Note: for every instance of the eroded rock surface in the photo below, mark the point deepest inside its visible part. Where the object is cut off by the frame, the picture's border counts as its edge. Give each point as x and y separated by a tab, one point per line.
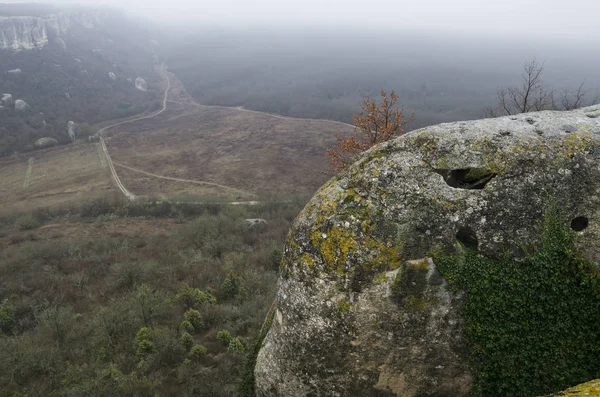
141	84
361	308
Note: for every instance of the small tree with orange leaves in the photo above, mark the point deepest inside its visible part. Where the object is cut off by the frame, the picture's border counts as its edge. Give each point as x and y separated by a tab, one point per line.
375	124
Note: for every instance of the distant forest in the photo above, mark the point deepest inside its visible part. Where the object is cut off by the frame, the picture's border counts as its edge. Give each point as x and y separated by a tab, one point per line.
325	74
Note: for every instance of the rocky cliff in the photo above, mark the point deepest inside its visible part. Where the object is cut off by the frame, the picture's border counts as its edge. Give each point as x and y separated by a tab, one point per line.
363	309
29	32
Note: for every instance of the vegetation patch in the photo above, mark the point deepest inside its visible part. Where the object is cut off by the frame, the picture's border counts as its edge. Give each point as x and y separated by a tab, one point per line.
532	326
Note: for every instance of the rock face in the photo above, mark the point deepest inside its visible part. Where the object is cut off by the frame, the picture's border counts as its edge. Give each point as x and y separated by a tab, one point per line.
141	84
28	32
45	142
361	307
21	105
71	130
7	100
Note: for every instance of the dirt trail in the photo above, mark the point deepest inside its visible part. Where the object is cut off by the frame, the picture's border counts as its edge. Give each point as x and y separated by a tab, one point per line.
238	191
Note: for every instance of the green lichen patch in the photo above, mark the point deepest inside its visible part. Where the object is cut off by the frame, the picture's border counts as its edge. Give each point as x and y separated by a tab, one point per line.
411	289
533	327
587	389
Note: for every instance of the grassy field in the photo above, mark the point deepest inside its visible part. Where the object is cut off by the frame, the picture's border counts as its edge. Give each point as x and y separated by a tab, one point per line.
53	178
188	151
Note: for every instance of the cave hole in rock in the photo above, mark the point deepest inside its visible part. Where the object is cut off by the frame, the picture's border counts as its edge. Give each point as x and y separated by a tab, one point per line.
467	178
467	237
580	223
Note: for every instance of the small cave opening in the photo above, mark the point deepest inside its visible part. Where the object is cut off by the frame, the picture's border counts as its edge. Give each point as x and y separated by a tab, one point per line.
467	237
467	178
579	224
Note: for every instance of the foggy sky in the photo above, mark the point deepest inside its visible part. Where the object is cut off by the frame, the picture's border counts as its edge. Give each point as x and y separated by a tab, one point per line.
563	19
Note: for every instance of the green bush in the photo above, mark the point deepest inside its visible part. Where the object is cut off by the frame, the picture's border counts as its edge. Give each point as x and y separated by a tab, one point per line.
194	298
27	222
187	340
7	317
224	336
236	346
194	318
231	286
198	351
532	326
143	344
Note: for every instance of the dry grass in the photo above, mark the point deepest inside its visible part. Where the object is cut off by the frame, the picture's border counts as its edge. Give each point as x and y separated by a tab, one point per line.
59	177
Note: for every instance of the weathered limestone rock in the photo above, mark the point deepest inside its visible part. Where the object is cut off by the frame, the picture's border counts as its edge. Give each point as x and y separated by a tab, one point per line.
141	84
14	71
45	142
361	307
71	130
112	76
21	105
7	100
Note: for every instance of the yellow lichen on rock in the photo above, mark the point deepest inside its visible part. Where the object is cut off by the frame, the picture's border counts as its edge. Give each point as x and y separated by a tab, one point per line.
591	388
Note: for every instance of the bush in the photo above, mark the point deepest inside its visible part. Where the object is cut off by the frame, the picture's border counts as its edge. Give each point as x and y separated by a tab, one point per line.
231	286
143	344
194	318
224	336
236	346
194	297
198	351
186	326
187	340
27	222
7	317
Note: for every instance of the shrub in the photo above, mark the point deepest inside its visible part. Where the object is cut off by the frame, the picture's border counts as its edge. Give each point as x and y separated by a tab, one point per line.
194	297
198	351
27	222
224	336
143	344
194	318
7	317
231	286
186	326
236	346
187	340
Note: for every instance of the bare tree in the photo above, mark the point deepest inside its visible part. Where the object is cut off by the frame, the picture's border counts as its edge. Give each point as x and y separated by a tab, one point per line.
533	95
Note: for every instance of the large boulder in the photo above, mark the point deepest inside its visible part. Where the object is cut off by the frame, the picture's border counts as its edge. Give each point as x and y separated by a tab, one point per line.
362	309
45	142
21	105
141	84
6	100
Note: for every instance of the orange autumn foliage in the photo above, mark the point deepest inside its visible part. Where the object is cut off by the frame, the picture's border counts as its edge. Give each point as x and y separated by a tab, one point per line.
376	123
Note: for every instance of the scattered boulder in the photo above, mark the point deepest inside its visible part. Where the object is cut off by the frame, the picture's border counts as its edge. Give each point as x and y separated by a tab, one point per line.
7	100
21	105
255	221
141	84
112	76
45	142
71	130
362	308
15	71
94	138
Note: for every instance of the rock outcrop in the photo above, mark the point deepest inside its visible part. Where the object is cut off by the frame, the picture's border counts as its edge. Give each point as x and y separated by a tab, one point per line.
141	84
71	130
45	142
362	309
6	100
29	32
21	105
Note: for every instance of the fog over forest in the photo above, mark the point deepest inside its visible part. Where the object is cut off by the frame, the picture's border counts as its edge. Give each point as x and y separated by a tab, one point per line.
324	73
